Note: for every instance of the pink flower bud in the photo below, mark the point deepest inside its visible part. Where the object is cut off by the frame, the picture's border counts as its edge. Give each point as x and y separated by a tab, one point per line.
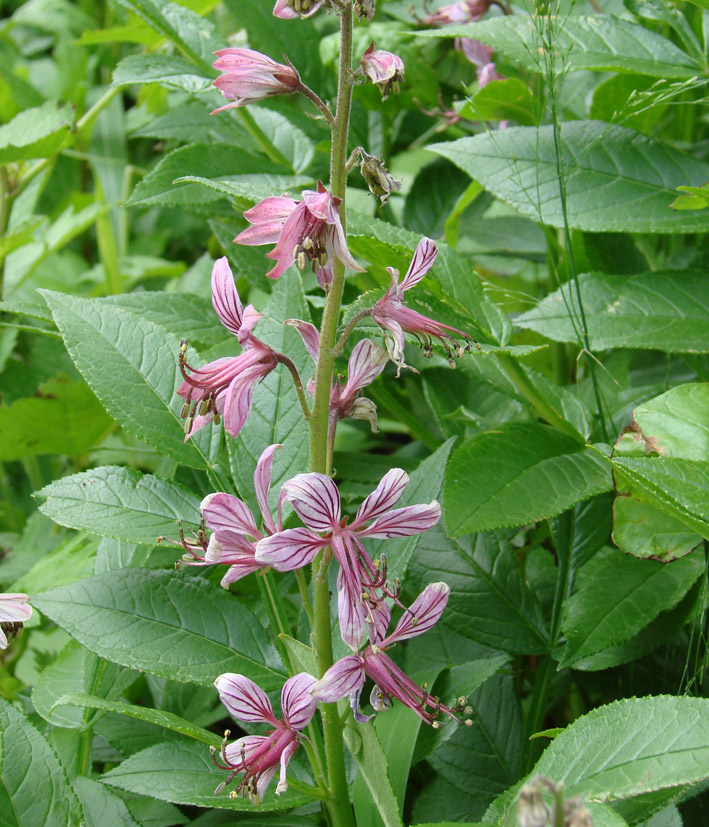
383	68
251	76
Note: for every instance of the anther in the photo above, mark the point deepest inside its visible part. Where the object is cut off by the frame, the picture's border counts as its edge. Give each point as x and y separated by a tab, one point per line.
462	700
184	410
307	244
427	351
458	351
451	363
468	722
217	418
436	724
300	260
183	345
468	710
203	407
188	424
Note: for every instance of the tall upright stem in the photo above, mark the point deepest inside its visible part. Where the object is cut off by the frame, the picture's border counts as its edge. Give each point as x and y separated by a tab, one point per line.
338	805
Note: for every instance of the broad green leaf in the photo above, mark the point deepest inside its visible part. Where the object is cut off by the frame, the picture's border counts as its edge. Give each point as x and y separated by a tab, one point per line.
363	744
276	415
158	717
64	417
247	189
490	602
290	141
616	179
34	788
102	806
220	161
660	311
192	122
165	623
19	234
71	560
183	773
119	502
118	554
500	100
642	530
678	487
434	193
131	365
619	595
601	43
171	71
516	474
36	133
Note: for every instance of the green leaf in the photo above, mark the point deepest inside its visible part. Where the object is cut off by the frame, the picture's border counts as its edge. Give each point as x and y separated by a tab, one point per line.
247	189
490	602
63	418
678	487
36	133
101	806
208	161
616	179
290	141
131	365
192	122
276	415
372	765
119	502
518	473
34	788
168	624
601	43
183	773
642	530
158	717
170	71
659	311
500	100
618	596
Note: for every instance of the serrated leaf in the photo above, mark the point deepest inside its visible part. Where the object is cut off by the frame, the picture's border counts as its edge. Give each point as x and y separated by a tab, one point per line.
518	473
618	596
131	365
168	624
247	188
184	774
171	71
112	501
617	180
507	99
601	43
36	133
34	788
101	806
192	122
662	311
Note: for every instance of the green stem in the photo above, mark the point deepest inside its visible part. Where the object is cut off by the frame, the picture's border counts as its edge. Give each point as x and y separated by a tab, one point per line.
338	805
284	360
5	207
304	596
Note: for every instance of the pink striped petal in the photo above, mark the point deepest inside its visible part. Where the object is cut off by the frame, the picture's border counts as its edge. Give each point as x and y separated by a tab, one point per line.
384	497
14	607
224	512
275	208
421	263
244	699
224	296
315	499
244	748
310	335
382	617
239	396
297	703
290	549
350	611
286	756
423	613
262	484
238	570
340	680
403	522
366	362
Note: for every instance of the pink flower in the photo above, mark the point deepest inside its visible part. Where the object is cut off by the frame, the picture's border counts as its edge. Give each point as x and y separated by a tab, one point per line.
393	316
259	756
383	68
14	611
303	231
251	76
225	387
235	531
361	584
479	55
290	9
465	11
347	676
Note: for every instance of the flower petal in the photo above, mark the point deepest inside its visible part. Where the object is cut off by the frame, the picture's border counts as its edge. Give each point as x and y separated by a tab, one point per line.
240	396
341	679
238	570
366	362
350	612
403	522
14	608
310	335
381	615
423	613
224	296
290	549
262	484
224	512
297	703
243	748
384	497
244	699
315	499
421	263
286	756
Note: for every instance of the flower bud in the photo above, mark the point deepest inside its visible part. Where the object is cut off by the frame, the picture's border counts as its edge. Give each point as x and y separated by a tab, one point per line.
379	181
251	76
383	68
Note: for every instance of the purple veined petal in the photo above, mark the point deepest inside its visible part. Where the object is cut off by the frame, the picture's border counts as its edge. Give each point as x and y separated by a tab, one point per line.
263	782
275	208
385	496
233	547
354	706
286	756
423	613
321	204
403	522
341	679
213	554
257	234
297	703
315	499
238	570
290	549
309	334
244	746
336	239
224	512
394	343
262	484
283	10
14	607
381	617
224	296
366	362
240	394
244	699
421	263
288	240
350	611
